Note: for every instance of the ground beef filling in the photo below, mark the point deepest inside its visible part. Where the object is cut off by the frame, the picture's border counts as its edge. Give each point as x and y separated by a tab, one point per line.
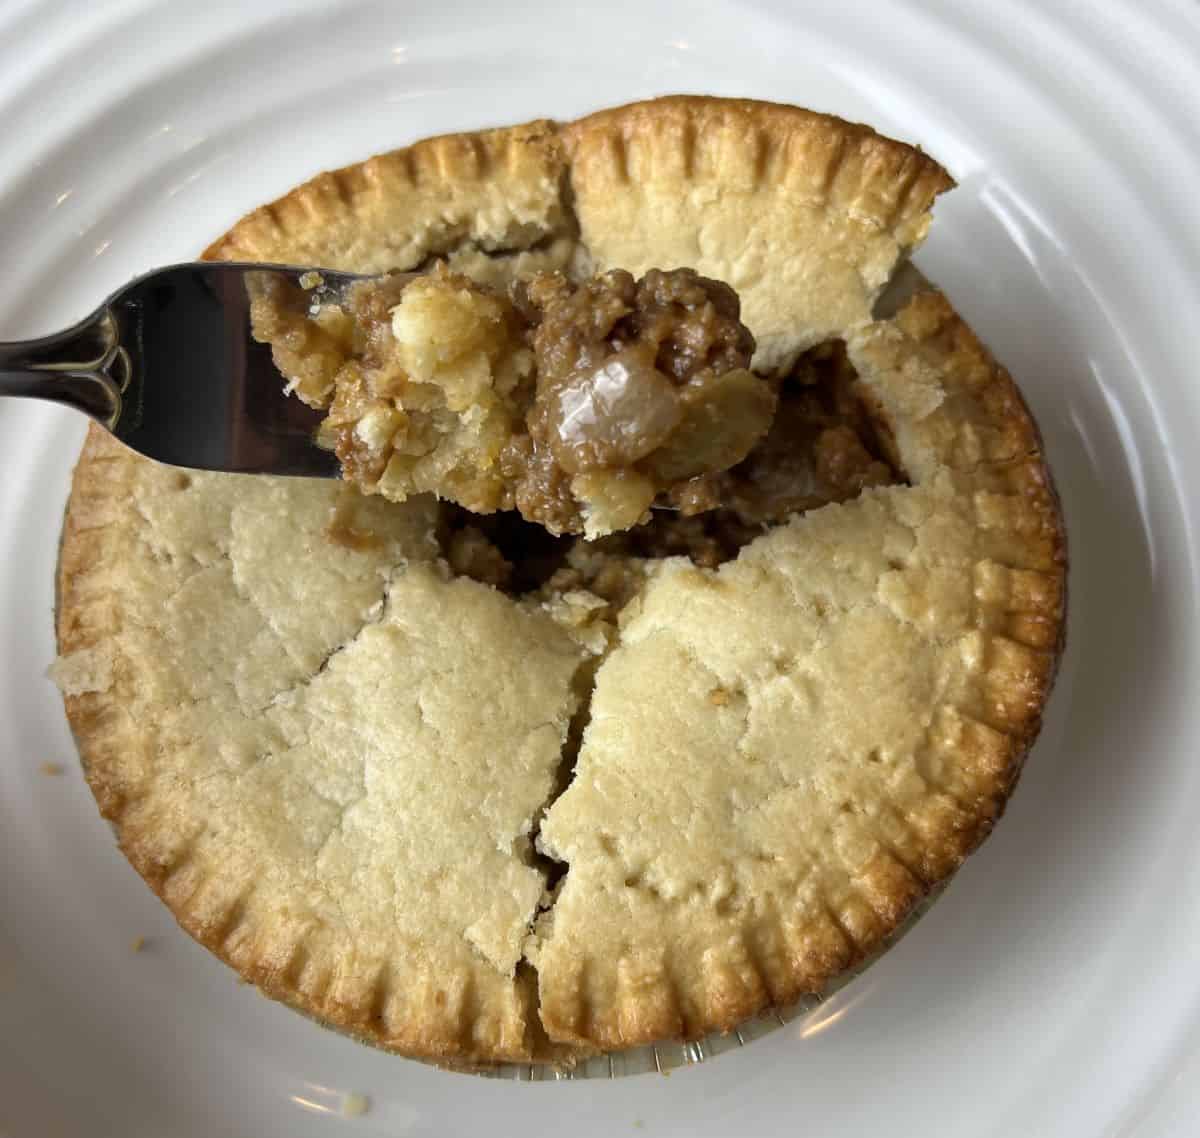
648	377
577	405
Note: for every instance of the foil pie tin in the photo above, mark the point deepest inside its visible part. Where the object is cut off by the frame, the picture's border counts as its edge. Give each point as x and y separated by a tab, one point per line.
663	1058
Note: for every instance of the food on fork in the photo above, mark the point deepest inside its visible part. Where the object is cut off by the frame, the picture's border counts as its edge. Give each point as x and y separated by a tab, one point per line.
577	404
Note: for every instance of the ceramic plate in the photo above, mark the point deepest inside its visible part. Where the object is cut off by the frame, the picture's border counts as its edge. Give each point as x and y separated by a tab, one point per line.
1053	989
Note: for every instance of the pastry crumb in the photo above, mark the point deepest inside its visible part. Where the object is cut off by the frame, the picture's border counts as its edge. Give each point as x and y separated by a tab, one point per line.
718	697
82	672
137	944
53	770
311	279
354	1105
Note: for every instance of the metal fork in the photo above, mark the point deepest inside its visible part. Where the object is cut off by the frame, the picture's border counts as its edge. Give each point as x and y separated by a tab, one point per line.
168	365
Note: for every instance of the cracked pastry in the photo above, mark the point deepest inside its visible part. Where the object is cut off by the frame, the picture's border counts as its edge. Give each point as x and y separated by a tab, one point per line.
474	792
578	405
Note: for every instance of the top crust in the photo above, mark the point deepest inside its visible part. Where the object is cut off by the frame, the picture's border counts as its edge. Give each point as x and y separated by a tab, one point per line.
269	718
267	713
849	702
805	215
484	201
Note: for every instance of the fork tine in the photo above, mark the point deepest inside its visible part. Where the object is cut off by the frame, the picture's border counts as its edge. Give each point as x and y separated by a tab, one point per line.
200	391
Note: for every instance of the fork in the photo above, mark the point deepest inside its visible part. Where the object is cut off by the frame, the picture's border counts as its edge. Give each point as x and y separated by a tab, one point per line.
168	365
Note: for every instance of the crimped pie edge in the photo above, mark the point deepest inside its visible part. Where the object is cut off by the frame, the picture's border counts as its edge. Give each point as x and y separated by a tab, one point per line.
489	165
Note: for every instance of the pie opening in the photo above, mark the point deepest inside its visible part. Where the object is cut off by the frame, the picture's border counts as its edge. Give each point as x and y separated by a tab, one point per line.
825	444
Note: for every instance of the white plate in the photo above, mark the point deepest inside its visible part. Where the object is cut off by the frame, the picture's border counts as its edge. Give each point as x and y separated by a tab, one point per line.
1053	991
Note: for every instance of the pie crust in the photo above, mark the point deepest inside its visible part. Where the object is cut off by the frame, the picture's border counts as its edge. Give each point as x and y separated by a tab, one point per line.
331	757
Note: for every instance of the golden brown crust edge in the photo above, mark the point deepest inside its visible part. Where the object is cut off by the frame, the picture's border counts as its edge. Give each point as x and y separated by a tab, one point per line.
499	189
828	158
818	156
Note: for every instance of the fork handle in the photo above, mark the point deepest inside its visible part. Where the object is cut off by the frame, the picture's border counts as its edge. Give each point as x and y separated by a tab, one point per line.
91	392
86	346
69	367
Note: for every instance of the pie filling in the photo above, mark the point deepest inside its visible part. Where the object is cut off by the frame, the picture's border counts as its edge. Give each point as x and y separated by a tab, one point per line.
577	405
